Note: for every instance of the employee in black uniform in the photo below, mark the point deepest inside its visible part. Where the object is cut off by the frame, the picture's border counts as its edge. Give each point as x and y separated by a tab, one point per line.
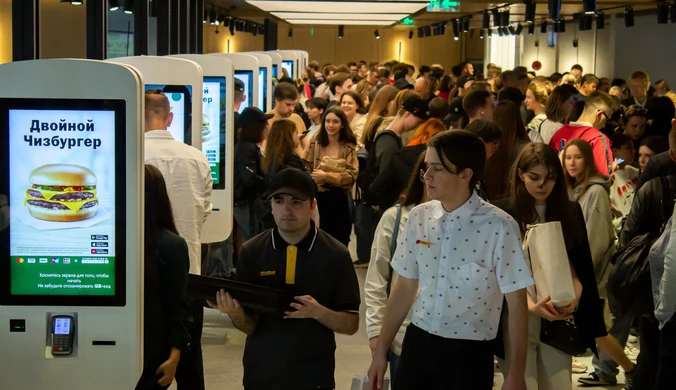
296	352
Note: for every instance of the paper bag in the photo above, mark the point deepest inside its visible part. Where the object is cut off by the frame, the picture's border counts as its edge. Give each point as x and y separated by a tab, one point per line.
546	252
361	382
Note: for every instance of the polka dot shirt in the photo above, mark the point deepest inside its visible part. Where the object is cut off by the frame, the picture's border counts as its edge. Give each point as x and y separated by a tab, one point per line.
465	261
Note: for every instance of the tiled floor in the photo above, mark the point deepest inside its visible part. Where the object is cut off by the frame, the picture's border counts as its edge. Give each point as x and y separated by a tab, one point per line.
224	346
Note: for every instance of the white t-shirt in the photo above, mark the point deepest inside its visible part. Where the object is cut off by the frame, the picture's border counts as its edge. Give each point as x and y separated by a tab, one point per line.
548	129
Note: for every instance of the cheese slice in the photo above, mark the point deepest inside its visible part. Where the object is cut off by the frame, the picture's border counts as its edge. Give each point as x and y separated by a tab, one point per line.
49	194
73	206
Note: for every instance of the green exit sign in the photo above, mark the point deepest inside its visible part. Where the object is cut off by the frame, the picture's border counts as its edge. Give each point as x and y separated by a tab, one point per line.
312	32
407	21
443	6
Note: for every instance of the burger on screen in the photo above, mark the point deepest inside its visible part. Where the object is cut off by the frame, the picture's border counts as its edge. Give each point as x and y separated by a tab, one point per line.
62	193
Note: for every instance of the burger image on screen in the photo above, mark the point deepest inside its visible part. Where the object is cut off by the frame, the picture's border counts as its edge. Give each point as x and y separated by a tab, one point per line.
62	193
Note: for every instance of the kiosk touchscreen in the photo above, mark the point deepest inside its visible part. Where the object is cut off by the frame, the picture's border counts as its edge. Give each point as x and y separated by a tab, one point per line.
288	65
71	285
291	60
264	80
217	140
246	68
181	81
180	104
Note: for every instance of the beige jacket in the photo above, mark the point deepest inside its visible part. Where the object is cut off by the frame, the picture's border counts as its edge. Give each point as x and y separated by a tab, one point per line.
314	155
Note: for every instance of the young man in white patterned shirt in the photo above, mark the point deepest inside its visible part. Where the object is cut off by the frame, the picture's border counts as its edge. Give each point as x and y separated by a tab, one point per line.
457	259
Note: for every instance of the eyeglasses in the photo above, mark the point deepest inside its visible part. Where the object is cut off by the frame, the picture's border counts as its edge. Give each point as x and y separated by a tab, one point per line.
606	115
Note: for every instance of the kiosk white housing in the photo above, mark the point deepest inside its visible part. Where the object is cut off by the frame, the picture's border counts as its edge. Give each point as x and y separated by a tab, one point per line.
181	81
72	282
218	141
264	101
291	61
246	70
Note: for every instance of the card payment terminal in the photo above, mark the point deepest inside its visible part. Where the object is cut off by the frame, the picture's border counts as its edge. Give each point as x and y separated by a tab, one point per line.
62	335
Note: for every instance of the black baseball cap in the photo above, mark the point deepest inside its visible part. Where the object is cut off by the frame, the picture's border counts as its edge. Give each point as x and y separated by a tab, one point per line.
252	115
456	109
239	85
294	182
417	107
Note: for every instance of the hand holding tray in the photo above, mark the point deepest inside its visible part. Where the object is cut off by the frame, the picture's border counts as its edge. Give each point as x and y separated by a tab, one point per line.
255	299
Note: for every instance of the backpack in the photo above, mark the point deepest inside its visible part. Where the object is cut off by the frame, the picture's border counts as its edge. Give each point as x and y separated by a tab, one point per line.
367	157
629	282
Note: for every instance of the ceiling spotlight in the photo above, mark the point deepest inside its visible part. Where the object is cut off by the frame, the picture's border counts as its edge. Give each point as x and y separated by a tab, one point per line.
428	31
341	31
497	20
530	12
481	34
410	34
486	20
113	5
589	6
554	9
662	13
505	18
217	20
562	25
519	29
511	30
465	25
377	34
543	27
456	28
600	21
212	16
531	29
629	16
575	42
232	26
489	33
421	33
442	26
206	16
500	33
456	36
580	21
290	33
72	2
128	7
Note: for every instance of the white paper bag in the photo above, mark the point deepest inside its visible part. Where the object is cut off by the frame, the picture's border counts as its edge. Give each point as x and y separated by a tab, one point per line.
546	252
361	382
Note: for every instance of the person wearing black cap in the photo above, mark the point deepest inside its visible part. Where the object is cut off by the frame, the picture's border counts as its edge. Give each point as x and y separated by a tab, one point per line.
412	113
457	119
464	83
298	350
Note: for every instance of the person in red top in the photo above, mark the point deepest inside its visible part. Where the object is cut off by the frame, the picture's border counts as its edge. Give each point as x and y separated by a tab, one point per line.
598	109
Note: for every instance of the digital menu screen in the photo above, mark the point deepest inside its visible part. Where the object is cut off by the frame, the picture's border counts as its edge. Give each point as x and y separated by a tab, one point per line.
246	76
263	88
180	104
67	198
213	128
288	65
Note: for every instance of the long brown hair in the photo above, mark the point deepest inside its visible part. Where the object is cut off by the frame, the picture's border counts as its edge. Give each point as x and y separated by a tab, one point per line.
556	109
559	207
508	116
377	109
280	143
589	165
346	134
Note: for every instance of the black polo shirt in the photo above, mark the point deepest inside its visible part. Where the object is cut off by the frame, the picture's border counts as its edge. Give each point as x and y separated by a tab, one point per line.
290	354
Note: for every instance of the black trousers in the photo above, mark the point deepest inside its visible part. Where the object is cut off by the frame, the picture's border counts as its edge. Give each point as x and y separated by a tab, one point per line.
190	370
656	363
335	216
434	363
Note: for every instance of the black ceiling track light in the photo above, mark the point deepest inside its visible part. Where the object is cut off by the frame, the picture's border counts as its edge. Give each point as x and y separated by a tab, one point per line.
128	7
543	27
600	21
485	20
530	12
589	6
531	29
629	16
554	9
662	13
113	5
410	34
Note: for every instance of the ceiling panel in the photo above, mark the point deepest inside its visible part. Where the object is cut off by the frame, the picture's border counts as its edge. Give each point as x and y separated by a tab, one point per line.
347	22
339	6
315	16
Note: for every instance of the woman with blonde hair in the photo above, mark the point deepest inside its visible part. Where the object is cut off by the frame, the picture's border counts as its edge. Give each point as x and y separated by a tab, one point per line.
378	110
364	88
537	95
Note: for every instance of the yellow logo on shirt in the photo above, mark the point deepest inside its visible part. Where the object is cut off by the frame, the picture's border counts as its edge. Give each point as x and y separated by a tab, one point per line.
267	273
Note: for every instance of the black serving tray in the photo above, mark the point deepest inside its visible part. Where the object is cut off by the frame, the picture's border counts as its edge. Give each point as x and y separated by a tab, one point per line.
254	298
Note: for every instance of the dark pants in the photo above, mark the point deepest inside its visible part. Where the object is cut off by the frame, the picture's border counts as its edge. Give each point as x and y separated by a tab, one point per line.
365	223
335	217
656	363
190	371
434	363
393	359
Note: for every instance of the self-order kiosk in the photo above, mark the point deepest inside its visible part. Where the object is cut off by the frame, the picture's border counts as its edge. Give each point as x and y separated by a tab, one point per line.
71	165
276	65
181	82
218	140
246	70
264	80
291	62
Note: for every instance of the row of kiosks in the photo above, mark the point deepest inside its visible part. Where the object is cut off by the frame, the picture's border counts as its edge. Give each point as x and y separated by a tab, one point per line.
71	166
294	62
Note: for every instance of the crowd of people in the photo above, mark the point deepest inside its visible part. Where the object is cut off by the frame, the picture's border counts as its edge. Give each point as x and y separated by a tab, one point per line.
440	178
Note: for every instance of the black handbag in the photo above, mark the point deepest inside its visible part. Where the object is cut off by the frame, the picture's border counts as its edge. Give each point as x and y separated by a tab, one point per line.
564	336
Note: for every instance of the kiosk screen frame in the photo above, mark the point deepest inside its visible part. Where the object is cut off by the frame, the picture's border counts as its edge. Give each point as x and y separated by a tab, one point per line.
186	111
115	294
274	71
246	76
288	65
263	88
218	169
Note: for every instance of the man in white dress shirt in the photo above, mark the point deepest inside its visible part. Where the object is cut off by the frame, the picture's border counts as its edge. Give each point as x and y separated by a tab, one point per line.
457	258
188	176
